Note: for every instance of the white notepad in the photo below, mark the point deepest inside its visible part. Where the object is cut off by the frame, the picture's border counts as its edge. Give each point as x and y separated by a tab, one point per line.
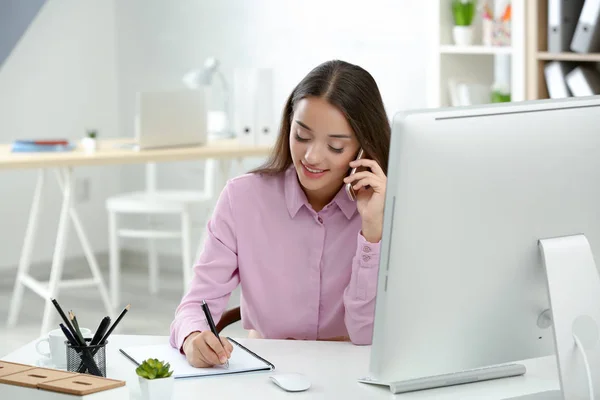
242	360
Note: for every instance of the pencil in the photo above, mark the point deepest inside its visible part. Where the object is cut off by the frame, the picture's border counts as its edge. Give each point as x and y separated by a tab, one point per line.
77	330
65	319
112	328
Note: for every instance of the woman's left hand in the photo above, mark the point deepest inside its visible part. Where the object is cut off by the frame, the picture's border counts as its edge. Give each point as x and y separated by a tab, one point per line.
369	186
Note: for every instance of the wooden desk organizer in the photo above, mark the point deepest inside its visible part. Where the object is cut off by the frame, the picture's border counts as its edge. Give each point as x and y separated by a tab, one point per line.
31	382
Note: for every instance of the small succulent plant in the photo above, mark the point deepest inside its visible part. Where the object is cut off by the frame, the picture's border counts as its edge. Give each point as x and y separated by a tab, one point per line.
153	369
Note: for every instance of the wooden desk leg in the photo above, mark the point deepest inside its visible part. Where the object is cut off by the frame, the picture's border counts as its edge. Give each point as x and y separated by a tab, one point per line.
25	260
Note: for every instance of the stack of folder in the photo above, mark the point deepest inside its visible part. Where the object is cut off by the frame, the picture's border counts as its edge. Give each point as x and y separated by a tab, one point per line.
573	26
35	146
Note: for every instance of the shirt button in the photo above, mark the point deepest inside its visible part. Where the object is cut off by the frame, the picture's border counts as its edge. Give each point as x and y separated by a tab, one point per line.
320	220
366	258
366	249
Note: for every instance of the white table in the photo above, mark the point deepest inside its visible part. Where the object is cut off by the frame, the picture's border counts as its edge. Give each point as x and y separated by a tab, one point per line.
332	367
109	152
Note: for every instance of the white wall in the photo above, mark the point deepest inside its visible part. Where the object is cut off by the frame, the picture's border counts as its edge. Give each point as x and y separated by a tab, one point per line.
59	80
159	40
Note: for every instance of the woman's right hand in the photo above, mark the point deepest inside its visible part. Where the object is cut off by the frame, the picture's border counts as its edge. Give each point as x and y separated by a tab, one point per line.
203	349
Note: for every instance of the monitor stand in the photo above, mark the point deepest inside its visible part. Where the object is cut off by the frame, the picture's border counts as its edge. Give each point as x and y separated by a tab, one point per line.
574	295
451	379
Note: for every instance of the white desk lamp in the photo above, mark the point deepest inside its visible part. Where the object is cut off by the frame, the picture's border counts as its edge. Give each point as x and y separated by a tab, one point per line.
218	121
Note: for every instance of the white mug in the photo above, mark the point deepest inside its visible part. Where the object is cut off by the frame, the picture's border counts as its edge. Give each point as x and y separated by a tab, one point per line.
56	343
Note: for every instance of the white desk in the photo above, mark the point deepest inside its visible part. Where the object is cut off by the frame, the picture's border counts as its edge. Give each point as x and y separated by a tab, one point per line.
332	367
109	152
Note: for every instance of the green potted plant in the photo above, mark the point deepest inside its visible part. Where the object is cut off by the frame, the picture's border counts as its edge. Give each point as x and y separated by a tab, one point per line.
156	379
463	12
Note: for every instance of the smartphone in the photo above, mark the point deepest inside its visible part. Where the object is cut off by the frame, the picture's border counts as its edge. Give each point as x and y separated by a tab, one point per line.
349	189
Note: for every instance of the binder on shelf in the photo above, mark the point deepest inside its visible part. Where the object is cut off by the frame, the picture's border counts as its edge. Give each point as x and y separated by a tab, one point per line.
586	38
244	97
584	81
253	118
266	130
562	20
555	73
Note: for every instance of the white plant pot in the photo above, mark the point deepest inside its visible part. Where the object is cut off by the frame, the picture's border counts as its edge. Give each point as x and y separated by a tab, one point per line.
89	144
156	389
463	35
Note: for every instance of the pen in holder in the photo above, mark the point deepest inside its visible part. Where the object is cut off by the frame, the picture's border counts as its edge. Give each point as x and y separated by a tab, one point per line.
90	359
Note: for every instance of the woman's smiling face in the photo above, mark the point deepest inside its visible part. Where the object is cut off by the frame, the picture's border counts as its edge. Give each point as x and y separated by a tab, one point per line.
322	144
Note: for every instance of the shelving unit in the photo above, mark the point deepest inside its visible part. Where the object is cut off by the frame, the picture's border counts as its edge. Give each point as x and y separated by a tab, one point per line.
475	63
536	50
474	49
576	57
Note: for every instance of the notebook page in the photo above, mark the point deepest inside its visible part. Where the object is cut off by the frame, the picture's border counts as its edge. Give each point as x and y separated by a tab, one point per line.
240	361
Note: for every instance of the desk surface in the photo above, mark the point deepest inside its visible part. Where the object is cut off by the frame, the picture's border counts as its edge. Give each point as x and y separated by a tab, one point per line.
332	367
112	152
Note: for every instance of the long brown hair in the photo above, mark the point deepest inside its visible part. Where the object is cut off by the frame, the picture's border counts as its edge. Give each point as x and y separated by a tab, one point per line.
354	92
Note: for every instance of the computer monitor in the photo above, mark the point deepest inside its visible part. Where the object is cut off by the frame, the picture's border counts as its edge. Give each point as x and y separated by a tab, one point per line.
463	283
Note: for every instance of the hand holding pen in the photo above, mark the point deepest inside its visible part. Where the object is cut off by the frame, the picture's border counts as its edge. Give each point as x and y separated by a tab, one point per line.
206	349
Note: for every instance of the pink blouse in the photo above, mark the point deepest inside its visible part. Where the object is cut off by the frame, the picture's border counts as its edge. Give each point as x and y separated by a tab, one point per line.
303	274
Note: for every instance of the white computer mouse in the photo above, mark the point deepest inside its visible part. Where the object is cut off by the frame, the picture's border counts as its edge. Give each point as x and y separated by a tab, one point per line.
291	382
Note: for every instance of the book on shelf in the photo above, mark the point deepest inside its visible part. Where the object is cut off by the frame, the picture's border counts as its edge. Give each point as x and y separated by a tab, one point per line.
41	145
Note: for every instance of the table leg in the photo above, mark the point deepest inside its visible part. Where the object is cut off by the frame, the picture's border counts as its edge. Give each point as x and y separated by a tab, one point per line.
153	267
59	254
223	171
186	249
114	259
25	260
65	179
240	165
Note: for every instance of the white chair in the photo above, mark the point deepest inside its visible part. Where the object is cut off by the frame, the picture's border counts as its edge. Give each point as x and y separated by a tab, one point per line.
154	202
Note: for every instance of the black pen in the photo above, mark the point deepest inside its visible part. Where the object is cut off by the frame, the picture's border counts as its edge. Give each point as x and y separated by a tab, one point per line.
100	331
212	326
96	339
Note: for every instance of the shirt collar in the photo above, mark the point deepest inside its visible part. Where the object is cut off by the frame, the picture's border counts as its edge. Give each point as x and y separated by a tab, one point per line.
295	197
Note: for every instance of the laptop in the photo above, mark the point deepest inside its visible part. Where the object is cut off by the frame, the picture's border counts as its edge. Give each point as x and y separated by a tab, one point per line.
170	119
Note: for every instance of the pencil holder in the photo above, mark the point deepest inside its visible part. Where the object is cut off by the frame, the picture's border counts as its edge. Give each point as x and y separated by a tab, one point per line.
501	33
87	359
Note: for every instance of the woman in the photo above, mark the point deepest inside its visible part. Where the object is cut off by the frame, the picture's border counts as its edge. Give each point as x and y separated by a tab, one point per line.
304	253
